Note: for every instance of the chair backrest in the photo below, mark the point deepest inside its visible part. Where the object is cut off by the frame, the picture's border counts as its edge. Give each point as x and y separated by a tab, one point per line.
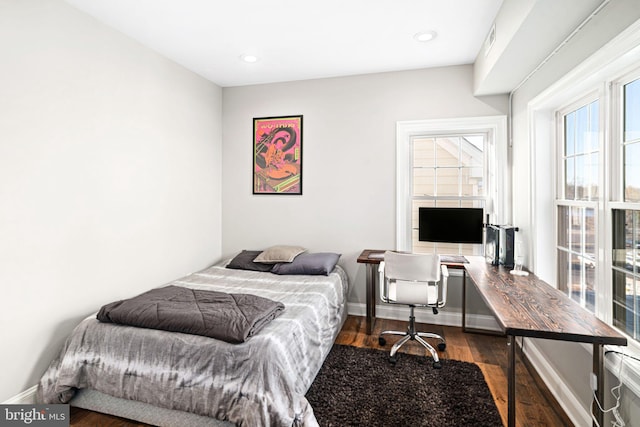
417	267
413	279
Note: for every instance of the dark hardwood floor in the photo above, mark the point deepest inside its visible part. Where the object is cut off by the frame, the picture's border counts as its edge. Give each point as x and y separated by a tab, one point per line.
535	405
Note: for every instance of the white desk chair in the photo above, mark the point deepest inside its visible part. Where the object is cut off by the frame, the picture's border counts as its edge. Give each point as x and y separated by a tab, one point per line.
416	280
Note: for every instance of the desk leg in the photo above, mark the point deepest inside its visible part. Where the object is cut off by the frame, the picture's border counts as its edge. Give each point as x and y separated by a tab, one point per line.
598	370
511	379
464	300
371	297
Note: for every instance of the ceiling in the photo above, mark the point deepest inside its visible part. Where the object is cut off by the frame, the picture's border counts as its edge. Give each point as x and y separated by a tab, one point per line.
300	39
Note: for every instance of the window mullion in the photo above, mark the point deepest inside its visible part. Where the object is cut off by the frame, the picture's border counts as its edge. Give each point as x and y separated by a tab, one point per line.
603	286
459	169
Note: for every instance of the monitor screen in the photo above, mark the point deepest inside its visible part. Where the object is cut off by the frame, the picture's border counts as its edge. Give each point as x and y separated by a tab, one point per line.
450	225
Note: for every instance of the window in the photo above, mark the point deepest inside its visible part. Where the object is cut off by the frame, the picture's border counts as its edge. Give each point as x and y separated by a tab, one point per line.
626	220
577	254
448	171
581	153
626	271
577	203
449	163
589	187
631	141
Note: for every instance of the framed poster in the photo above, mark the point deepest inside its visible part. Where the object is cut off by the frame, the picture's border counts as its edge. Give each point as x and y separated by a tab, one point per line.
277	155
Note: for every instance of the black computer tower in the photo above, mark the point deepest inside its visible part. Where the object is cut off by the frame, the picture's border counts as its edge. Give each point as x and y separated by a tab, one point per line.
492	244
499	246
507	245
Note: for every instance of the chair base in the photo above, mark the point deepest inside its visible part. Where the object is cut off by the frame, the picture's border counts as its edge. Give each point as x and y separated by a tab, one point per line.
413	335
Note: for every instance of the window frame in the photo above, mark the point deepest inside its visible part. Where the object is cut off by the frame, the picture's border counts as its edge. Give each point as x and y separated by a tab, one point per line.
597	205
594	95
617	133
609	92
495	165
617	191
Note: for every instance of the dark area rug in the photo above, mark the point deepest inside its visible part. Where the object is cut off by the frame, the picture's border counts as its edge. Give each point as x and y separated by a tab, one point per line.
359	387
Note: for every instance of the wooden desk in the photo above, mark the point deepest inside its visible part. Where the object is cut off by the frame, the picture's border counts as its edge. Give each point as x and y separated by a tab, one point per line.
523	306
528	307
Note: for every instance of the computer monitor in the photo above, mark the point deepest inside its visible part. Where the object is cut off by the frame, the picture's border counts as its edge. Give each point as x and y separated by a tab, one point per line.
450	225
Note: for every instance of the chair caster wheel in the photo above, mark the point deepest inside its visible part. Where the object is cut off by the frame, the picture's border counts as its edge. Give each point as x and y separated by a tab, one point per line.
393	359
382	342
437	365
442	346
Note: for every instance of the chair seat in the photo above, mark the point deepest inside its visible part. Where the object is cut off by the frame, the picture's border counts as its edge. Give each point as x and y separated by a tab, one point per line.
408	292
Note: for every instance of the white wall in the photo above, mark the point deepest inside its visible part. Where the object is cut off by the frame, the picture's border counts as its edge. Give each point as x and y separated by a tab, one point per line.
570	362
110	176
348	201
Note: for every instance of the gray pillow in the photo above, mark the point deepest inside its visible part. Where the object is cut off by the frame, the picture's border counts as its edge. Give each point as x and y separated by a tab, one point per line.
321	263
244	261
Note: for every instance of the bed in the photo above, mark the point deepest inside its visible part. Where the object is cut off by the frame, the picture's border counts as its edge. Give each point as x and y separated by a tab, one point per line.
169	378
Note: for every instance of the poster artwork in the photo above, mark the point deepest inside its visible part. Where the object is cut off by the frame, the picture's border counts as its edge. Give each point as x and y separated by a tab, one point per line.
277	155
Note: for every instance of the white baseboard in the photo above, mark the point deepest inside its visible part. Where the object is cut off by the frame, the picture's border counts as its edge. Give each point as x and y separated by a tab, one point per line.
445	317
571	405
27	397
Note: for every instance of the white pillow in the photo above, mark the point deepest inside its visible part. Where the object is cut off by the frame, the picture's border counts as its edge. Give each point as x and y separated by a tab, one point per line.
279	253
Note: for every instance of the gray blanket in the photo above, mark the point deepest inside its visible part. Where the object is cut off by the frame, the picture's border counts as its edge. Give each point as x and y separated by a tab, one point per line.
227	317
260	382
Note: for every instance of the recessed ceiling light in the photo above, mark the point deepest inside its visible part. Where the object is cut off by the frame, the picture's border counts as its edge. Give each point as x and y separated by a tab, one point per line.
425	36
249	58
